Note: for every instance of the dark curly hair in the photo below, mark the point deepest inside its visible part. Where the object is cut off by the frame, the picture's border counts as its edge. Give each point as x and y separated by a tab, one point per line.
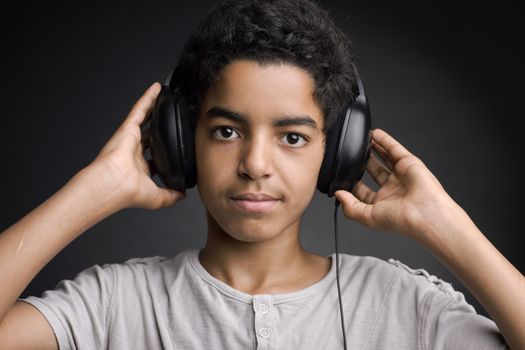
297	32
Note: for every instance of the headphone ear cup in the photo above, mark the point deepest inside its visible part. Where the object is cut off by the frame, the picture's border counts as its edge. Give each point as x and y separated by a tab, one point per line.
332	144
188	142
171	141
347	155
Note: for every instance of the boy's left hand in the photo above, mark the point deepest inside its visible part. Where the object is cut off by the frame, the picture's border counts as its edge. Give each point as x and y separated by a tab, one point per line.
412	202
409	198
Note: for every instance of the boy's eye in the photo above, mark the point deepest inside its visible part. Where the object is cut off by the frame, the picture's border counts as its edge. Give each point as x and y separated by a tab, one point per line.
295	140
223	132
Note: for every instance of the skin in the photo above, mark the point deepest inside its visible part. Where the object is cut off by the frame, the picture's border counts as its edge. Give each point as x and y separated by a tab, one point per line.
410	201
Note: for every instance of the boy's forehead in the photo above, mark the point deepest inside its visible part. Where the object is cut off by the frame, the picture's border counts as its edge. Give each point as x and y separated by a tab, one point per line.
250	90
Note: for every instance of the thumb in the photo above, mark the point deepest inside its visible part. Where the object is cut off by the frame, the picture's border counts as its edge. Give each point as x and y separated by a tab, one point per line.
354	209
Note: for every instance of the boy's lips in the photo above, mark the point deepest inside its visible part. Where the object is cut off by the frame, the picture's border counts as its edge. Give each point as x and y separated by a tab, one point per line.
254	197
255	202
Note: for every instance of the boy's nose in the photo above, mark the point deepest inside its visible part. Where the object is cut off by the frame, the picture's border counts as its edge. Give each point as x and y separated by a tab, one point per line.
256	159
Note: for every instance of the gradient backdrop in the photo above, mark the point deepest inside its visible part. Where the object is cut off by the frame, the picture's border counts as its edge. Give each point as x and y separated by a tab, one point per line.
445	79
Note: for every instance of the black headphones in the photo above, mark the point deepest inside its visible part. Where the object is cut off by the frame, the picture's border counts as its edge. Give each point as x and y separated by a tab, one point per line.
173	151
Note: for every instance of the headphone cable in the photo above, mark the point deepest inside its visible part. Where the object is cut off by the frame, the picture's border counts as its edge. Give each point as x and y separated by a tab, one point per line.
337	272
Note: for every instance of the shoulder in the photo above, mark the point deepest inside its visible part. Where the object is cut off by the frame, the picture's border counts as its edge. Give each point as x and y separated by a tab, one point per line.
422	277
138	270
151	266
391	276
137	278
393	268
402	292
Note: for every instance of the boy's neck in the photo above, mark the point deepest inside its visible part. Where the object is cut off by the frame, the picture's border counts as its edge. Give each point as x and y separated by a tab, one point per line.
277	266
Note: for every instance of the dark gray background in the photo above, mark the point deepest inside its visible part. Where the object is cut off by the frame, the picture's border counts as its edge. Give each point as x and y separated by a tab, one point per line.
445	79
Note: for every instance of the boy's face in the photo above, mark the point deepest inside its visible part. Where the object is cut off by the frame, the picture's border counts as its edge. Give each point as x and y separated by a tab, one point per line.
259	130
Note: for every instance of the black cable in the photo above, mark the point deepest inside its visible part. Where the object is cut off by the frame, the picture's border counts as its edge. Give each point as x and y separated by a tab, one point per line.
337	272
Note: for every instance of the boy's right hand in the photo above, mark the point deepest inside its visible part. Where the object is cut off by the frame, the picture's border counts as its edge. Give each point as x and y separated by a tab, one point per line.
120	173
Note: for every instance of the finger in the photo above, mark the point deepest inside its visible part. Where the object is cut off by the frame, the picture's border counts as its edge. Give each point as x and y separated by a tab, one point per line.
382	155
143	105
354	209
393	148
364	193
377	170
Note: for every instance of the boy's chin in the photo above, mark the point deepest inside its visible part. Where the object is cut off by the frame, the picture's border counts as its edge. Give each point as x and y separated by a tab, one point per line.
246	228
252	233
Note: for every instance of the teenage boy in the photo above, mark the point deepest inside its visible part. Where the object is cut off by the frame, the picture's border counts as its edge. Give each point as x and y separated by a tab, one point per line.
272	75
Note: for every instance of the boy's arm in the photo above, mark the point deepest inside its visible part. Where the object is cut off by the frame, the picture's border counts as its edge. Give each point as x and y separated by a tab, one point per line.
412	202
28	245
118	178
488	275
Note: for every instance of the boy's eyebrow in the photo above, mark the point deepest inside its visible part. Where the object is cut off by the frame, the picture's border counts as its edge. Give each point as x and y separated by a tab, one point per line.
216	112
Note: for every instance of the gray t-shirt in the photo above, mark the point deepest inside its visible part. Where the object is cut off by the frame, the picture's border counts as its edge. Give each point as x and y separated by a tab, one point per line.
174	303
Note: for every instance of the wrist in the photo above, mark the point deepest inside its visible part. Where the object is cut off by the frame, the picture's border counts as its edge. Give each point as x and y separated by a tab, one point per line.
102	187
442	229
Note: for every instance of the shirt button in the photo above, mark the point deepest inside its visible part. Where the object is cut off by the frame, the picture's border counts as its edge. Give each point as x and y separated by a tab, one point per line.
263	308
265	332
